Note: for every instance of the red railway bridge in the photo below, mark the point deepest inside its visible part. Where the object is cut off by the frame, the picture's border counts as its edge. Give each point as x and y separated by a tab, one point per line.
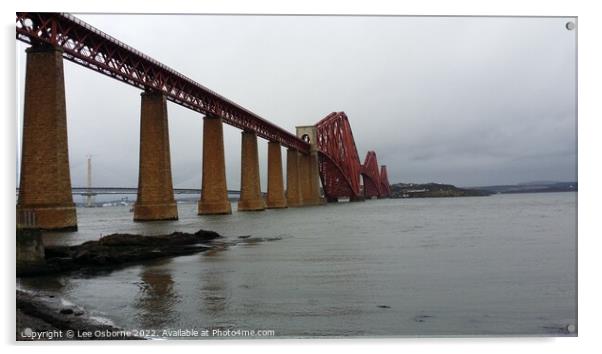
324	152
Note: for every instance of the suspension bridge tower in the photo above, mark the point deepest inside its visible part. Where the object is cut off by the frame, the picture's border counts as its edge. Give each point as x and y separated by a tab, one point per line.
89	194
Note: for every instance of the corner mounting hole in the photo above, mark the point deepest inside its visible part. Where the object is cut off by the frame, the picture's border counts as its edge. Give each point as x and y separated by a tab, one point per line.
570	25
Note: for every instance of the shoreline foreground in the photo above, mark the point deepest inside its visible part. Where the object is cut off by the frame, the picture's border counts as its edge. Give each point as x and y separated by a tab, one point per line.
46	316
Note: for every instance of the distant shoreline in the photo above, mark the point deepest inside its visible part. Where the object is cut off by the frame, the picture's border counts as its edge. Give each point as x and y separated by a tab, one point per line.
437	190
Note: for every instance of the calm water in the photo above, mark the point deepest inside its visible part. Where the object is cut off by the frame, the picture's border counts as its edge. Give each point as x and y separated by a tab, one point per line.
499	265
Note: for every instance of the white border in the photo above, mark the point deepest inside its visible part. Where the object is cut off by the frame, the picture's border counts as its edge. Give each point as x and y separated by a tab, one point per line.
589	165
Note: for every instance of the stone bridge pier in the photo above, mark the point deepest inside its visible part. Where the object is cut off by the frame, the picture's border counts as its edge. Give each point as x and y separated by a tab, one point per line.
294	198
45	200
309	173
155	199
276	198
214	195
250	187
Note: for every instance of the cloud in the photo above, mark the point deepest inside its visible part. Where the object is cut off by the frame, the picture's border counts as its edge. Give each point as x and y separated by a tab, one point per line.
469	101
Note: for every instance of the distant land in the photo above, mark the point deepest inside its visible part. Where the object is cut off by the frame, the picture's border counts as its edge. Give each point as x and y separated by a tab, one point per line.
433	190
437	190
531	187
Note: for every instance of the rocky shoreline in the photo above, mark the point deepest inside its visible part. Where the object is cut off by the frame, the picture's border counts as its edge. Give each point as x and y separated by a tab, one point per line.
116	250
45	316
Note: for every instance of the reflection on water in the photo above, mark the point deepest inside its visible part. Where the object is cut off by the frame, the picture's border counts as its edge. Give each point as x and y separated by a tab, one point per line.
157	295
213	291
58	284
503	264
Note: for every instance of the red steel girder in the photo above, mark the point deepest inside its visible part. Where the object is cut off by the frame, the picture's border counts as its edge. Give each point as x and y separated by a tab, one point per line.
384	182
339	162
91	48
371	176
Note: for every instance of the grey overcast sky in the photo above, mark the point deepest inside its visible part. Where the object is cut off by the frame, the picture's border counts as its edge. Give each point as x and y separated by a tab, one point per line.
463	100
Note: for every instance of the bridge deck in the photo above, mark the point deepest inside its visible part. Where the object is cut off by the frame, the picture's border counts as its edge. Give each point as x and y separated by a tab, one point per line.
85	45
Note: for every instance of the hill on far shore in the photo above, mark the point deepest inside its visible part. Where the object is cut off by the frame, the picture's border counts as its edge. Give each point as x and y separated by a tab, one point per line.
434	190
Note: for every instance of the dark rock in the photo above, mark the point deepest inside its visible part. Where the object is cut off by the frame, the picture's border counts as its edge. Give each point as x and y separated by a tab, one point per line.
277	238
384	306
30	252
45	313
66	311
421	318
259	239
114	250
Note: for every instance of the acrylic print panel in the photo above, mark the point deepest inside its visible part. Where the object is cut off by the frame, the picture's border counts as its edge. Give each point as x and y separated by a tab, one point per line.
420	181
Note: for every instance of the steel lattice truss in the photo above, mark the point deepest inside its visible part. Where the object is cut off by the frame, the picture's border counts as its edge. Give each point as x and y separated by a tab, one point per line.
385	187
340	166
88	46
339	163
371	176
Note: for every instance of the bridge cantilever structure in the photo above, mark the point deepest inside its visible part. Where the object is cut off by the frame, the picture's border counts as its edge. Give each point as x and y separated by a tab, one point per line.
384	182
339	163
371	176
96	50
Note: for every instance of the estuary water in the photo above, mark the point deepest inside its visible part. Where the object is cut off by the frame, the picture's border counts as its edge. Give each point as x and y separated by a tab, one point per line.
497	265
